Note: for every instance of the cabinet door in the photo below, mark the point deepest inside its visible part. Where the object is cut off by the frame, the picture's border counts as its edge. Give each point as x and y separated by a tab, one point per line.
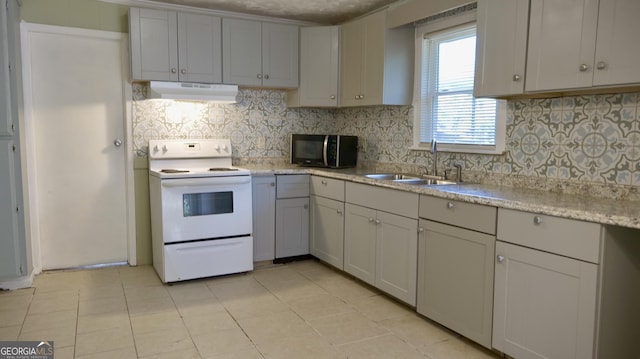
200	48
319	59
501	48
351	55
373	39
397	256
616	59
10	253
562	38
242	52
154	44
327	230
264	218
292	227
280	55
455	279
544	304
360	232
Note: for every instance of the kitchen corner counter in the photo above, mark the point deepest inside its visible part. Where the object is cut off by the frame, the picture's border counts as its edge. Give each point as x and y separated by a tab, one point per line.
622	213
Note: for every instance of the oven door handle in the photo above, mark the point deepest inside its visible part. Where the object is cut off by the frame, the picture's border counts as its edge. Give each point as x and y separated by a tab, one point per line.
207	181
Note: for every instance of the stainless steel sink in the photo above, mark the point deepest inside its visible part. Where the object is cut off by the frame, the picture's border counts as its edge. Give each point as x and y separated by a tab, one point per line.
392	176
410	179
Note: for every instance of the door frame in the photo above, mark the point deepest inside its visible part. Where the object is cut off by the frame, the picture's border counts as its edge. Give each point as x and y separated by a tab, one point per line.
27	141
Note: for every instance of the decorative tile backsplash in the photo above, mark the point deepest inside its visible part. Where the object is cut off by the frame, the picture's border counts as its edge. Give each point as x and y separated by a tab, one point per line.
580	140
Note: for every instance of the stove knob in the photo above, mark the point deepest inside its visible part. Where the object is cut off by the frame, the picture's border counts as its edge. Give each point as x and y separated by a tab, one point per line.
225	148
164	148
155	149
217	148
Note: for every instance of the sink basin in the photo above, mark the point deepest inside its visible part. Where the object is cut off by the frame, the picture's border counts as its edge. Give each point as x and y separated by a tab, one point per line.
410	179
392	176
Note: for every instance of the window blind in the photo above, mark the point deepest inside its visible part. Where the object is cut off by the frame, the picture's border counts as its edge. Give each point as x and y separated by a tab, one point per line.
449	112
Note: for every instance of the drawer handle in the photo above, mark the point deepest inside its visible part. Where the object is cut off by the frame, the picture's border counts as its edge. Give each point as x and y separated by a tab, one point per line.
537	220
500	259
449	205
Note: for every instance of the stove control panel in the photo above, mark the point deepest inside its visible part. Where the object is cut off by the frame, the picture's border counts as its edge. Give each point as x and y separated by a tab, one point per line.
202	148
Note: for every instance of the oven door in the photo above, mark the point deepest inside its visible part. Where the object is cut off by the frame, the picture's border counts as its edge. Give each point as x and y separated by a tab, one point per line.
204	208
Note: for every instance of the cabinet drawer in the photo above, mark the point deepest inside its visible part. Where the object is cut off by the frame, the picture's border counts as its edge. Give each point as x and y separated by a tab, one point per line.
567	237
327	187
292	186
389	200
476	217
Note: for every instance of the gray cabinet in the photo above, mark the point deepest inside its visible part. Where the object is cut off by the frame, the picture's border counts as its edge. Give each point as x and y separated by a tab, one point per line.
456	266
326	220
292	215
170	46
14	265
259	53
376	65
381	240
501	50
264	218
319	65
592	46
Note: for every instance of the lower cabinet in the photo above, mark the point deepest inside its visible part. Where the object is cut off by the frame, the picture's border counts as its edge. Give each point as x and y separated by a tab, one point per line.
264	218
455	279
380	249
545	304
292	215
292	227
326	232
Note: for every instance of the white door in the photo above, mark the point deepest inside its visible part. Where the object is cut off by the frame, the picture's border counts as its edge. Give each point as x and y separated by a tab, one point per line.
74	99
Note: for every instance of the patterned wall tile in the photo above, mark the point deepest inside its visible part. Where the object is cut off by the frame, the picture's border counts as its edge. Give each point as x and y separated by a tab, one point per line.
585	139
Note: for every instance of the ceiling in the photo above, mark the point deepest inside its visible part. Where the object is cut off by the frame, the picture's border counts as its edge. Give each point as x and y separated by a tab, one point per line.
319	11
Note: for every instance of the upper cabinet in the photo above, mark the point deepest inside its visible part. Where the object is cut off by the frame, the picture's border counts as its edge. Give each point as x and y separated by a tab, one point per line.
319	68
582	43
501	47
376	63
170	46
259	53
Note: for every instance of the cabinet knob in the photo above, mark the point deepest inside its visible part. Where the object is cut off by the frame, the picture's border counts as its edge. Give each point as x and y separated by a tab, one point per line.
273	184
377	221
260	76
323	182
537	220
420	230
183	71
333	97
516	77
361	97
601	65
584	68
371	220
266	77
306	206
500	259
174	70
449	205
339	211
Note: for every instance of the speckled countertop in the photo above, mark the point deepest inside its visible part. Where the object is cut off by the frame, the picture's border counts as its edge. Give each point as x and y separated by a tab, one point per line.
605	211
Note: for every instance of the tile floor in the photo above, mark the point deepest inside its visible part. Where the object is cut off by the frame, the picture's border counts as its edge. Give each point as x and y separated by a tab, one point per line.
298	310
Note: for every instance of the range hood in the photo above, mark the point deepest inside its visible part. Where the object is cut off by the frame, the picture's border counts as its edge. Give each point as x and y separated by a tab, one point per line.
192	91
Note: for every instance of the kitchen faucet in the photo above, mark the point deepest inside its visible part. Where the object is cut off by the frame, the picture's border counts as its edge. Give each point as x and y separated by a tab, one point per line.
434	152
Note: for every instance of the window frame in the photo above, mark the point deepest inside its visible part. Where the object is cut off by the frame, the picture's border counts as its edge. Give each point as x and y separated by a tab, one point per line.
439	25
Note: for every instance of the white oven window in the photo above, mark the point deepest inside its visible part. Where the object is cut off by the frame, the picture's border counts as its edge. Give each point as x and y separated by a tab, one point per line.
204	204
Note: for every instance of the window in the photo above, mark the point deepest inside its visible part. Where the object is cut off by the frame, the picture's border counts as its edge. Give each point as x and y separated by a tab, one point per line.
446	109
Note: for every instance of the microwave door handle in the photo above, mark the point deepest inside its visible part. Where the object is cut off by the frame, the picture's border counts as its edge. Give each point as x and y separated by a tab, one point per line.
213	181
325	150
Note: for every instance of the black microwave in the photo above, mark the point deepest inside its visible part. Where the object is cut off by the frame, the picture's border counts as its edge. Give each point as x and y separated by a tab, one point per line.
333	151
